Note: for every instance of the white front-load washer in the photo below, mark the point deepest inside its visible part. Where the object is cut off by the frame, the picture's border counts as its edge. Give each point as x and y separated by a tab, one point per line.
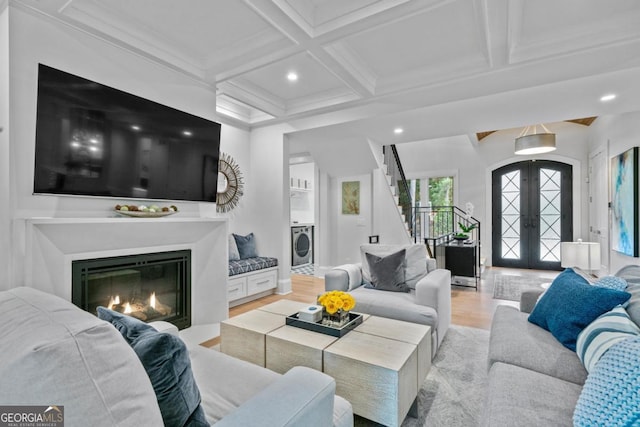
301	245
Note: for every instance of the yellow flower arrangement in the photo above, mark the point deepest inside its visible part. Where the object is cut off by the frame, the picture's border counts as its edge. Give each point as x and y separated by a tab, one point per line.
333	301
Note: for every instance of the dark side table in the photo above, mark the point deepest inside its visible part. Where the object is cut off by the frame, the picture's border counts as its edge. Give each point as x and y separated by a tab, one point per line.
462	260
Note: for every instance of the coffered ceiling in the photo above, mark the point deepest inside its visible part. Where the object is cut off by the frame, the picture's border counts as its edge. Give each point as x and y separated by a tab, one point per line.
359	59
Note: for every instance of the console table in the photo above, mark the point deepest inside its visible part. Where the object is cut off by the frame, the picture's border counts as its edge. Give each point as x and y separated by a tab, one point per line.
462	260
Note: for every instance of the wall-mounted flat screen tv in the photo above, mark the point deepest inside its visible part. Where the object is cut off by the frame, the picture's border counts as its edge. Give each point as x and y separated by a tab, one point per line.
94	140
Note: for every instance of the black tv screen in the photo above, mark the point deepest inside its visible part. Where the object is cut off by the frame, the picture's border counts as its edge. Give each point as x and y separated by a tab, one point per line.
95	140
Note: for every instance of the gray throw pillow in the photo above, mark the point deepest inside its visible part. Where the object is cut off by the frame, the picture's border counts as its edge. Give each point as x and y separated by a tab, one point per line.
415	260
387	273
246	246
234	255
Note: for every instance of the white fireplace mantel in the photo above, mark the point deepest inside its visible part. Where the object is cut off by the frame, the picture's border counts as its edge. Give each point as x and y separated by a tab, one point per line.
51	244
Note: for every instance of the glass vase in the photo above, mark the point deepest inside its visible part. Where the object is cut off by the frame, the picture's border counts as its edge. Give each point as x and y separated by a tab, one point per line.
336	320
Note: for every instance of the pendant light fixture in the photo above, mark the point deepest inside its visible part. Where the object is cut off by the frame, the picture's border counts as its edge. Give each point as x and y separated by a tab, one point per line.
532	142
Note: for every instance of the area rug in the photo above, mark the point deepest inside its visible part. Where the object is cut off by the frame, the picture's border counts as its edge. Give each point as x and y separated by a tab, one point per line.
453	393
509	287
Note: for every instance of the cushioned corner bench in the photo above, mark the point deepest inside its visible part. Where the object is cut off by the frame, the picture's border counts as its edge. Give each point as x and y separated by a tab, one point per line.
251	278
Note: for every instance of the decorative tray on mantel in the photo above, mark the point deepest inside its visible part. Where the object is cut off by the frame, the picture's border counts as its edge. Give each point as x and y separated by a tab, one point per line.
144	211
354	320
138	214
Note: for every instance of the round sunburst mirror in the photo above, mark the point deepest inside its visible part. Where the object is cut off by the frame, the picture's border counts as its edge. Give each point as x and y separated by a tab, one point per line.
230	184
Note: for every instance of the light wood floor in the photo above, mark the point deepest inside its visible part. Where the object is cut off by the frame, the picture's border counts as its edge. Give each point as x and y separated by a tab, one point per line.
468	306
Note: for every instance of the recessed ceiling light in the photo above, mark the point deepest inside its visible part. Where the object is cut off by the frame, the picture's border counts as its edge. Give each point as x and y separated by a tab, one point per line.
608	97
398	131
292	76
187	133
135	127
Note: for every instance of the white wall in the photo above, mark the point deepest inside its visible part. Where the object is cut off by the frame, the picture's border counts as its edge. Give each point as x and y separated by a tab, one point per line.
27	40
236	142
302	193
619	132
350	231
387	222
473	164
322	233
36	40
267	213
5	200
454	156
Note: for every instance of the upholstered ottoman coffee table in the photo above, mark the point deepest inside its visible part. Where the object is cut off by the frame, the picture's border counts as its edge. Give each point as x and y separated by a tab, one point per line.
379	366
243	336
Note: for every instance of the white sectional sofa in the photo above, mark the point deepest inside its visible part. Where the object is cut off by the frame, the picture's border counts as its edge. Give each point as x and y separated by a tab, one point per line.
54	353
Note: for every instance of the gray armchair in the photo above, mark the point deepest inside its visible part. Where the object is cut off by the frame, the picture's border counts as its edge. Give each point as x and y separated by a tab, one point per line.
428	301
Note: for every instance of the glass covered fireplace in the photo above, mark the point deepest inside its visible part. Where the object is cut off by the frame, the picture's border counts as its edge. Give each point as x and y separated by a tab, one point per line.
149	287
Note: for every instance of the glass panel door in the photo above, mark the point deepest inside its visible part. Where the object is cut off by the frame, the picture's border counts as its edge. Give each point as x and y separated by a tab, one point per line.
511	215
532	214
550	215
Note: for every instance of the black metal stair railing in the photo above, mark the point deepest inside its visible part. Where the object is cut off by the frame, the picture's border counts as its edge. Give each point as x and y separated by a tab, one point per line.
435	225
399	181
431	225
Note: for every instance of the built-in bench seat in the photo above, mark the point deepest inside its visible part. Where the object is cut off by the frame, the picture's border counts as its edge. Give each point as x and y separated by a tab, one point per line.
251	278
251	264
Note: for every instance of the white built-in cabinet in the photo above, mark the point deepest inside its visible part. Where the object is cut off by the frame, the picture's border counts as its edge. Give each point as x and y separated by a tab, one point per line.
248	286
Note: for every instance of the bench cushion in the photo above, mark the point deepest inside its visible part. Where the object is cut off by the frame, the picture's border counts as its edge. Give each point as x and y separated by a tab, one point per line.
251	264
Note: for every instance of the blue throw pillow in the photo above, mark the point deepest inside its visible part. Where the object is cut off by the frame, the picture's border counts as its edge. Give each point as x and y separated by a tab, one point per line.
607	330
246	246
612	282
166	359
610	394
570	304
130	327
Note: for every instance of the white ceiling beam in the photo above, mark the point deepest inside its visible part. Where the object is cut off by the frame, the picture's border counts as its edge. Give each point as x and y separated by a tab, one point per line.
279	19
376	8
347	68
253	96
118	39
336	59
251	62
491	22
515	16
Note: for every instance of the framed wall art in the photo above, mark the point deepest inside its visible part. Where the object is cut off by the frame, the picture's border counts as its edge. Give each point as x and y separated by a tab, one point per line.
351	198
624	202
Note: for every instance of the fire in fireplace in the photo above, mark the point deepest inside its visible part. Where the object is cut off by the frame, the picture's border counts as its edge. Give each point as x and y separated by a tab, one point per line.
149	287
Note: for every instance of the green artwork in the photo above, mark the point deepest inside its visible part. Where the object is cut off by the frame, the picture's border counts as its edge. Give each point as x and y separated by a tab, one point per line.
351	198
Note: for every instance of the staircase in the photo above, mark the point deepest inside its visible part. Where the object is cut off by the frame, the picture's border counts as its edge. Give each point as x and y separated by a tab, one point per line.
399	185
431	225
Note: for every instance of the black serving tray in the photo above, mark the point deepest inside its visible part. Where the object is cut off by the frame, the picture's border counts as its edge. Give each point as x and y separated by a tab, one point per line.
354	320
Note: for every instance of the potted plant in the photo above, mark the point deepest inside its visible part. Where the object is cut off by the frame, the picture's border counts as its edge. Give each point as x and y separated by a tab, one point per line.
464	233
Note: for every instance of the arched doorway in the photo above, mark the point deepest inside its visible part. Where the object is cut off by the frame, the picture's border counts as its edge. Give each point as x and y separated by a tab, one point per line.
532	212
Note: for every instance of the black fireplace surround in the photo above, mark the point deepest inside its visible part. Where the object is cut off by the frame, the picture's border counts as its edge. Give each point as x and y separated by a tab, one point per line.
150	287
